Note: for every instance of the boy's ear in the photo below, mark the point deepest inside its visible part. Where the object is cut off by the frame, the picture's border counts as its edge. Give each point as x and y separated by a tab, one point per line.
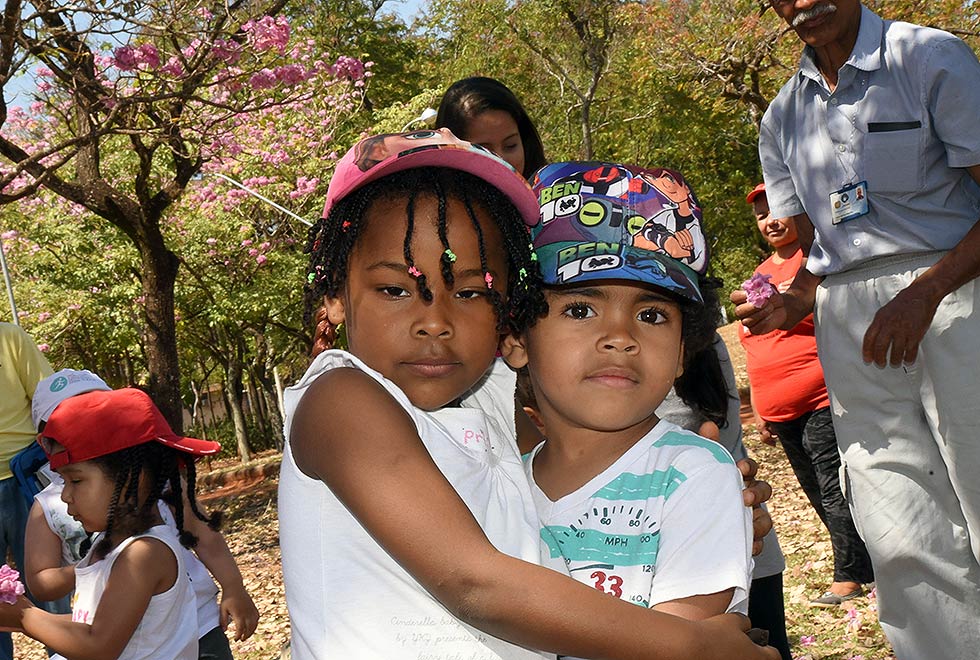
336	312
513	351
680	362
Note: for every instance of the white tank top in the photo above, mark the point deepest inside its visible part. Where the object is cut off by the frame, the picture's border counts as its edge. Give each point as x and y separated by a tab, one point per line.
168	628
347	597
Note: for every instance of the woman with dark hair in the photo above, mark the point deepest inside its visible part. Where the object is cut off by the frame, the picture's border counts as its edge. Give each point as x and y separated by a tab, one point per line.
485	112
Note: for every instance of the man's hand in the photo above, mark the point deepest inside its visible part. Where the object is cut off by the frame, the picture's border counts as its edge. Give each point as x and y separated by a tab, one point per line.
762	426
755	493
900	325
759	320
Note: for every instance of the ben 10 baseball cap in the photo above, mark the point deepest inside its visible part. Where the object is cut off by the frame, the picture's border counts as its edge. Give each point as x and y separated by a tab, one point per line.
603	221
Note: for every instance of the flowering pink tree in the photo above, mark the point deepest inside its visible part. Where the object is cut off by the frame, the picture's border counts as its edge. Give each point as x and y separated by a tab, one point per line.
131	101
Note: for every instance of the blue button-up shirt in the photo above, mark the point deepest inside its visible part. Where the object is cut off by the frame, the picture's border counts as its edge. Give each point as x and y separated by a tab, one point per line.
905	117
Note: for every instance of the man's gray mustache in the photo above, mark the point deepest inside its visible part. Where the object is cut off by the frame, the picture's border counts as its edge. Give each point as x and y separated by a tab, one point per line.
813	12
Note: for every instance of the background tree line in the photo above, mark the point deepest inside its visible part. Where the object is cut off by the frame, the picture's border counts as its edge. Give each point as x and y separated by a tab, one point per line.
133	257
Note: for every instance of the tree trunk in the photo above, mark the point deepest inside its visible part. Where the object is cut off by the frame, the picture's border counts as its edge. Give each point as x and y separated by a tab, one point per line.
233	397
159	274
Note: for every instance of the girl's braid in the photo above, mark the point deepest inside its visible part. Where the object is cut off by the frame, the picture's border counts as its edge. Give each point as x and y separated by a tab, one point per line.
102	547
495	297
420	280
214	520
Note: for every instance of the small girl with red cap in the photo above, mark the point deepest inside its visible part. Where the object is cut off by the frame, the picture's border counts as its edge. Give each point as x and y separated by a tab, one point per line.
133	599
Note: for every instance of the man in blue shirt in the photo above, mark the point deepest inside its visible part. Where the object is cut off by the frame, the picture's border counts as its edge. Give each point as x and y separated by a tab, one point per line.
874	147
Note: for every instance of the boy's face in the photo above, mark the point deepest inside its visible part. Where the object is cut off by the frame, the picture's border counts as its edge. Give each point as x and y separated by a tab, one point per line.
604	357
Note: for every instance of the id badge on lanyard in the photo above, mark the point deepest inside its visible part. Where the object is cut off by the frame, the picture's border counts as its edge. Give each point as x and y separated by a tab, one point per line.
849	202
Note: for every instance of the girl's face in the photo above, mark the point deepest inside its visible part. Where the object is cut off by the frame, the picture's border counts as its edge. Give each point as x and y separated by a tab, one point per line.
496	131
433	350
87	492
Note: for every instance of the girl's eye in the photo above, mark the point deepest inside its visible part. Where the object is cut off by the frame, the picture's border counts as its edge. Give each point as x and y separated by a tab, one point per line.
652	315
394	291
578	311
471	294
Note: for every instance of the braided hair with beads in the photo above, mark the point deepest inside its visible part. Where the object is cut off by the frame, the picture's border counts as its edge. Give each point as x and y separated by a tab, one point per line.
333	237
161	468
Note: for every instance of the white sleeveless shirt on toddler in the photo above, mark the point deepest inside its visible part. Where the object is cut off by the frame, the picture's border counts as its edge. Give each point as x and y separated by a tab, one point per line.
347	597
72	534
168	628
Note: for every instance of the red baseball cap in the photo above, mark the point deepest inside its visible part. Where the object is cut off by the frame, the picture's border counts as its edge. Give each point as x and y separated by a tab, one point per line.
758	190
97	423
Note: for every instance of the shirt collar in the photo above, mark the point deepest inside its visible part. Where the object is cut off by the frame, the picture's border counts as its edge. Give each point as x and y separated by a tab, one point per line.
866	55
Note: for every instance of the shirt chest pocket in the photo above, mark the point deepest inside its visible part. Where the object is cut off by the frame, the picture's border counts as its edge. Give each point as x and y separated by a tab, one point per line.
892	158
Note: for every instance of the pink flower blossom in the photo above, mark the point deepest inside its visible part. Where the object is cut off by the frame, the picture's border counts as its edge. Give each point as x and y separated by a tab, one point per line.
350	68
147	54
757	289
126	58
10	586
227	51
43	316
173	67
808	640
253	252
211	241
291	74
247	242
261	259
268	33
44	72
44	348
264	79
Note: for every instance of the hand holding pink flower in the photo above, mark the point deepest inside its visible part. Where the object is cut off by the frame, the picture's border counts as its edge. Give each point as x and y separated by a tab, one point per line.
10	586
757	289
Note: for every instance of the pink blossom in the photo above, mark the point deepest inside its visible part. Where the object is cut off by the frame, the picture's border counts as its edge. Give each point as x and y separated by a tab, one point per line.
253	252
350	68
9	235
268	33
43	316
261	259
190	50
173	67
227	51
291	74
808	640
304	186
21	314
148	55
10	586
757	289
264	79
126	58
211	241
246	242
265	246
44	72
44	348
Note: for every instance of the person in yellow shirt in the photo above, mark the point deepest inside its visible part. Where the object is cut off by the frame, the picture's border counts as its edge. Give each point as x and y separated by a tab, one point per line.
22	366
